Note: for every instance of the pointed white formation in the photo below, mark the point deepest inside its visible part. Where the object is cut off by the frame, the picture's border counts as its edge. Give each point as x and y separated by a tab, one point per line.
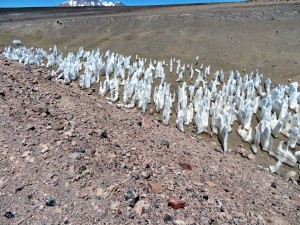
246	135
208	105
276	167
17	42
283	155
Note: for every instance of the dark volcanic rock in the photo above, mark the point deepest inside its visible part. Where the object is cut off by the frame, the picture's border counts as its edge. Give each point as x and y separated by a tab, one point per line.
9	215
50	202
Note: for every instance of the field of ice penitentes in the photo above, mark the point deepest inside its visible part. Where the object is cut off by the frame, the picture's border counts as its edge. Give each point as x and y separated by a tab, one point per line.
207	101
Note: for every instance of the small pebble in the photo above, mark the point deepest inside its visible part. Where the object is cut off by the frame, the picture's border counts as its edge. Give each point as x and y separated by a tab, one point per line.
290	174
180	222
115	205
9	215
165	143
133	196
185	166
154	187
56	96
50	202
145	175
167	218
30	127
104	134
176	203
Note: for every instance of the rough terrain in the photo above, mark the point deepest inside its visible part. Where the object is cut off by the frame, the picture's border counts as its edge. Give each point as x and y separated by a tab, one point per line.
239	36
69	157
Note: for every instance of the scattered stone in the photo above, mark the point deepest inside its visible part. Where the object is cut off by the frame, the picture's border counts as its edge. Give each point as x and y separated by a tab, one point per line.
185	166
145	123
273	185
115	205
57	126
165	143
141	206
81	150
190	220
211	184
103	134
50	202
251	156
25	154
20	188
9	215
58	210
40	109
294	197
133	196
2	182
154	187
74	155
176	203
55	182
57	96
112	188
136	176
180	222
168	218
171	187
99	192
205	197
290	174
81	169
87	136
82	194
145	175
44	149
24	141
105	194
243	152
69	133
30	159
218	149
113	156
30	127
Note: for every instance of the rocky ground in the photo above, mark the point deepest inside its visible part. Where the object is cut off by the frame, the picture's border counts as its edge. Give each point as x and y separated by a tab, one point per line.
238	36
69	157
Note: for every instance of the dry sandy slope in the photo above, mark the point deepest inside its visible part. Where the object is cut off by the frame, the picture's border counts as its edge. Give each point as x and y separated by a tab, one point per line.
243	36
53	144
